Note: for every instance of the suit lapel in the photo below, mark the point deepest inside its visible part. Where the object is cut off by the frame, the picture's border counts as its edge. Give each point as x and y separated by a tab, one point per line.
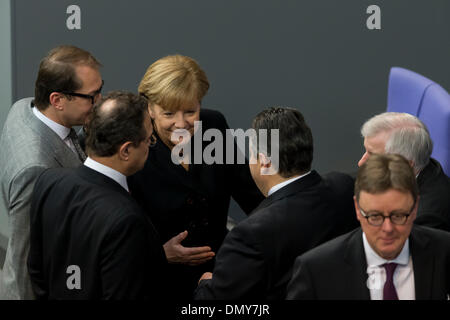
423	264
356	268
61	152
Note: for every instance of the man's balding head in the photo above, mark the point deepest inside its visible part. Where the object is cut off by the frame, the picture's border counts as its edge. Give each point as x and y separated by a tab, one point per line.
116	119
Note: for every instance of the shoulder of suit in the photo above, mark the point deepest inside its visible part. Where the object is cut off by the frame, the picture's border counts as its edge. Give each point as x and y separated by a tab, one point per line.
212	118
437	235
58	172
338	177
49	176
18	129
335	248
18	108
340	183
25	102
264	221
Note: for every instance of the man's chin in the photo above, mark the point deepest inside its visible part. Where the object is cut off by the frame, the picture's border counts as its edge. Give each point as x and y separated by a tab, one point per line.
389	251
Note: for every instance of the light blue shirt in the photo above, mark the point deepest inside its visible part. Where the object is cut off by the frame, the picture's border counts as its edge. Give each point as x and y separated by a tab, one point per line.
107	171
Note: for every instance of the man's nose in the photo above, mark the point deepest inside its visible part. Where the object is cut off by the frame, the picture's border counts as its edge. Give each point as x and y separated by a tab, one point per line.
387	225
363	159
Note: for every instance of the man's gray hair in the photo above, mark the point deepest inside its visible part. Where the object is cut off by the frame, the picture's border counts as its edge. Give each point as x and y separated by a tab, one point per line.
408	136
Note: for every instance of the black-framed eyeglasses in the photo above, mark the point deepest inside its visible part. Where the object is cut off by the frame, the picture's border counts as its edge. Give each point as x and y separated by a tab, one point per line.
377	219
86	96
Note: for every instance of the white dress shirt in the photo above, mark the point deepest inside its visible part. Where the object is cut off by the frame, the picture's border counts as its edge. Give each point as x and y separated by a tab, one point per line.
107	171
403	275
60	130
277	187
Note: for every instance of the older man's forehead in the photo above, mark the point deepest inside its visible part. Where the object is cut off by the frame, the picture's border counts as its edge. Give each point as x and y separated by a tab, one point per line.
377	142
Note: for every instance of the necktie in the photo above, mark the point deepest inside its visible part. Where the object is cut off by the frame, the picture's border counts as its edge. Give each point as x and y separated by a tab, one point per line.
73	136
389	292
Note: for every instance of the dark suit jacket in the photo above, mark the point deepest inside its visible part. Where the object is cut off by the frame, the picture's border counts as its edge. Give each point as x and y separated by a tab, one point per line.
337	269
434	203
81	217
256	258
196	200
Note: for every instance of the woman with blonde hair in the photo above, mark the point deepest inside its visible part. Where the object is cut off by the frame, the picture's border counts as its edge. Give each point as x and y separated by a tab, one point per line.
187	202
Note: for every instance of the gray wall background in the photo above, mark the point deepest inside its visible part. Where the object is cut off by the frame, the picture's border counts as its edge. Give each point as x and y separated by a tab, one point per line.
315	55
5	92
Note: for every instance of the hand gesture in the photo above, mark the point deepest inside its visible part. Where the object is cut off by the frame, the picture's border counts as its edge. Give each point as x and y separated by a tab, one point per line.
177	253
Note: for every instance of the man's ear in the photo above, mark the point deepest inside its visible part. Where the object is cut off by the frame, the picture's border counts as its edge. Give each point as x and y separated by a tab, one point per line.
125	150
265	165
56	100
264	160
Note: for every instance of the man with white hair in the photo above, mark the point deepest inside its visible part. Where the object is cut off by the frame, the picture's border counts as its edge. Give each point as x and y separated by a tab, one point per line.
404	134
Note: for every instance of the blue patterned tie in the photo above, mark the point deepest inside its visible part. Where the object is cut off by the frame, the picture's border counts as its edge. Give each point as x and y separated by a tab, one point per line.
389	292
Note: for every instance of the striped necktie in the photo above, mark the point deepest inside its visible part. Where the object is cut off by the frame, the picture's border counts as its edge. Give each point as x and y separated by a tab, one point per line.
73	136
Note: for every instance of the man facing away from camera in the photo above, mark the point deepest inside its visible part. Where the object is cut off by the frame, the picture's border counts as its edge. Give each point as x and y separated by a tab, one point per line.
301	210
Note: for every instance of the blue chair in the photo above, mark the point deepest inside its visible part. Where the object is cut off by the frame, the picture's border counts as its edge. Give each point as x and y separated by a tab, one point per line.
412	93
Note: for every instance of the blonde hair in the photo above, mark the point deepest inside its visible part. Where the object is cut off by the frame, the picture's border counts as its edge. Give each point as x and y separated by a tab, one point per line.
174	82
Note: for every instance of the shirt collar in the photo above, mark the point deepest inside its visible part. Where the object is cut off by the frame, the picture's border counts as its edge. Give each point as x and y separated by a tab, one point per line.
373	259
277	187
60	130
107	171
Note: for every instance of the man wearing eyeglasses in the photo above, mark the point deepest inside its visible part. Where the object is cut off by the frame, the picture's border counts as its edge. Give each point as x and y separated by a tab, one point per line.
38	135
405	134
388	258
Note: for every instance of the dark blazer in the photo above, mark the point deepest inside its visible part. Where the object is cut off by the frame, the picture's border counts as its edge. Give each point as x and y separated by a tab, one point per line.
434	202
256	258
196	200
82	217
337	269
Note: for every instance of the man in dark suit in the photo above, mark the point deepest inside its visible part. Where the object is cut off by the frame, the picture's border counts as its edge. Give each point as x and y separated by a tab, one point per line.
389	257
301	211
404	134
89	238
